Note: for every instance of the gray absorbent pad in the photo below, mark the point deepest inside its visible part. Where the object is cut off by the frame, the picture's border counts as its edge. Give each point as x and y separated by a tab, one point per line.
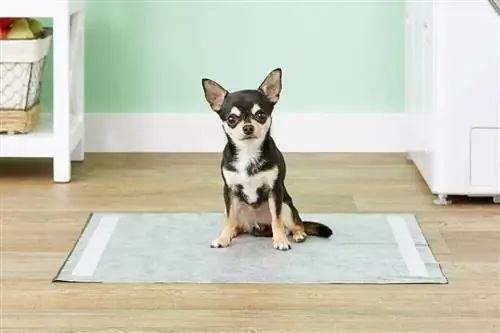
175	248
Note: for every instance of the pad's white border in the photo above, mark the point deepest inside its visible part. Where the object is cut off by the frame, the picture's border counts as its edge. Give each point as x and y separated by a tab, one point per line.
92	253
202	132
406	244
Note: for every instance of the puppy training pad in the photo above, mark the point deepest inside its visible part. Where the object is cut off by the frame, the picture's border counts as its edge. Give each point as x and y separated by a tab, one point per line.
175	248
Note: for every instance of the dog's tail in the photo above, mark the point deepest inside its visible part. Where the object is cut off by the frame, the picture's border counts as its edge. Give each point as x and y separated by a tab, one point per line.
317	229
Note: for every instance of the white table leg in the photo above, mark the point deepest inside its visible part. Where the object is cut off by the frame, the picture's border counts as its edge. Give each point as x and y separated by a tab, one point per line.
61	113
77	79
78	154
62	168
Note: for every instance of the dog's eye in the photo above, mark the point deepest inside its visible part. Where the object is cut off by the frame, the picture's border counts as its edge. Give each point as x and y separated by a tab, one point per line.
231	120
260	116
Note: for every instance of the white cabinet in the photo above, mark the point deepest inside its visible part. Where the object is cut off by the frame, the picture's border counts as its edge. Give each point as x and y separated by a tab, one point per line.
453	95
484	164
59	137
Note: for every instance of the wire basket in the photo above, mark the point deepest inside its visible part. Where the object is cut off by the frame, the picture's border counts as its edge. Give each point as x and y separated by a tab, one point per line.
22	64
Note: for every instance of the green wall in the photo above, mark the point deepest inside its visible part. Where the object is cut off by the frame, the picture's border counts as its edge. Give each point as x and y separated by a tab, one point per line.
151	56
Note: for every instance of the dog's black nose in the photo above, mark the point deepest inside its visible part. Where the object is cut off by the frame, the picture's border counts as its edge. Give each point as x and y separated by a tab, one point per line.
248	129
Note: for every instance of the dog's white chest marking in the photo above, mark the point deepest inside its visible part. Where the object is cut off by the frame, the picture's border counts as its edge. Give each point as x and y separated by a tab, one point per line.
249	183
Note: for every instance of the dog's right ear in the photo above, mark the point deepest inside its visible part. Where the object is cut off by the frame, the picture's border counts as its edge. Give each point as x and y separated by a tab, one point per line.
214	93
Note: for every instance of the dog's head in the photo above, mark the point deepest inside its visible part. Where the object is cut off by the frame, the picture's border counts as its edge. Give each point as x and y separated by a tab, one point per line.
245	114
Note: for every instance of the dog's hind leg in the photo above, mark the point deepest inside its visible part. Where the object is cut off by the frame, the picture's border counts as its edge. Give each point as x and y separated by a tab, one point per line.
293	223
302	229
292	219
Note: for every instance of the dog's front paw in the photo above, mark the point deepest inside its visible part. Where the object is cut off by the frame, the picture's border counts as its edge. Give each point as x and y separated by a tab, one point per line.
221	242
282	243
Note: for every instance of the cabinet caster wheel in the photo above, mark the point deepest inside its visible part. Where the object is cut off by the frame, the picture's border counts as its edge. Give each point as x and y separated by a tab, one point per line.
441	200
496	199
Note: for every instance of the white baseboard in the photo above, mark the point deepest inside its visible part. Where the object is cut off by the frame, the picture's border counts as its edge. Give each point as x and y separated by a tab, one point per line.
293	132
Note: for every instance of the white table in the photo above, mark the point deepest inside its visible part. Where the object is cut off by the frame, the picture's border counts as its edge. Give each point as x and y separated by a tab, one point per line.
61	137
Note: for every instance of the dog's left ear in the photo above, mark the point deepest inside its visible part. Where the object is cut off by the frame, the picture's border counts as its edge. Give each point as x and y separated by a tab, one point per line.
271	86
214	94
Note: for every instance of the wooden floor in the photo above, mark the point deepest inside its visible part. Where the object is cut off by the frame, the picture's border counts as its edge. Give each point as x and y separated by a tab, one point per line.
41	222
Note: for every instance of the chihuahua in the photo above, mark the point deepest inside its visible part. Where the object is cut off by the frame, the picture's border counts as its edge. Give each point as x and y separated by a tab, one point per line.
253	169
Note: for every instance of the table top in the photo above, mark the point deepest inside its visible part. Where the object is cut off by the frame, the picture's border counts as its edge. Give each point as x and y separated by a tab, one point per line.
39	8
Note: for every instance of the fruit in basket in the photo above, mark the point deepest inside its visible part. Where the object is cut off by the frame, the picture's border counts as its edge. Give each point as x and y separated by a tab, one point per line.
20	29
3	33
35	27
5	22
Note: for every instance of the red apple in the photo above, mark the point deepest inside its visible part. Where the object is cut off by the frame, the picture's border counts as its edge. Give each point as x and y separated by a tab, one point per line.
3	33
5	22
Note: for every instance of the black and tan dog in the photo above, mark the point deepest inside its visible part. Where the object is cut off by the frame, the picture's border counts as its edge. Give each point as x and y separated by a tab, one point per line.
253	168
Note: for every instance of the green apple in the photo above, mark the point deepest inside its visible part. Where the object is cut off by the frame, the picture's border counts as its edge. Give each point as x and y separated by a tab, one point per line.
35	27
20	29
